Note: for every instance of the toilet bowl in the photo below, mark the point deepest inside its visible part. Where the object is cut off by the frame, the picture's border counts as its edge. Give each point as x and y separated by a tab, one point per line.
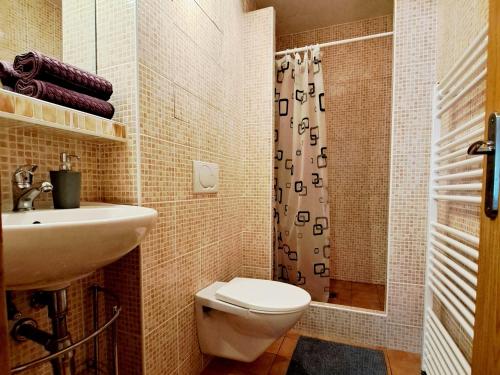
240	319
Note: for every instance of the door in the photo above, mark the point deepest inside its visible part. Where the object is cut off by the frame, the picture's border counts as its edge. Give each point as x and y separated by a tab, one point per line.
486	345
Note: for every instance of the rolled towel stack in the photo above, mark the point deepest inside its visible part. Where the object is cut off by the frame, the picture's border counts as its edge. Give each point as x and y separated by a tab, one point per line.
48	79
55	94
8	75
34	65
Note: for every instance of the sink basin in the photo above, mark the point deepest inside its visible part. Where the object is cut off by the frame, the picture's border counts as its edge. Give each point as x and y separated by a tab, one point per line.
48	249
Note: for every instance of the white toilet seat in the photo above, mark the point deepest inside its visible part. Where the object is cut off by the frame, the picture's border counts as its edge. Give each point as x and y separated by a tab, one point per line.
263	296
207	298
240	319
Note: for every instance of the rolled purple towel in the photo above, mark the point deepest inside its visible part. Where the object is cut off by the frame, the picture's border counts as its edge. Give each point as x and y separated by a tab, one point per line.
34	65
8	75
59	95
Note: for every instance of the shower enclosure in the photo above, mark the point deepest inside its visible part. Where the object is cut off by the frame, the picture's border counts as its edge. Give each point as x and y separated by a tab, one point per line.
356	64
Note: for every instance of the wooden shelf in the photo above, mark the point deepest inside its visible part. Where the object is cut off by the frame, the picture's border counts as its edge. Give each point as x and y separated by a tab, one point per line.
20	111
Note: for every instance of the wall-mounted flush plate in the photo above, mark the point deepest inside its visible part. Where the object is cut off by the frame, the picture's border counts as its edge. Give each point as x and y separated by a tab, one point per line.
205	177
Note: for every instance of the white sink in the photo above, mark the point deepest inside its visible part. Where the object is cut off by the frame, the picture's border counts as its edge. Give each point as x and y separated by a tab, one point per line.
68	244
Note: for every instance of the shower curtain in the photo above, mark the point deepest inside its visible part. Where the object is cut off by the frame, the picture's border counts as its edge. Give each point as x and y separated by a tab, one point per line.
301	210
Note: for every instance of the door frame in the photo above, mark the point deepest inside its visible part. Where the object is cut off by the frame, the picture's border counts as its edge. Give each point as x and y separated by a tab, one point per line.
486	344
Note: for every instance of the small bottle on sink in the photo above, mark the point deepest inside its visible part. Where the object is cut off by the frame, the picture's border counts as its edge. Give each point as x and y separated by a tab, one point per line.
66	183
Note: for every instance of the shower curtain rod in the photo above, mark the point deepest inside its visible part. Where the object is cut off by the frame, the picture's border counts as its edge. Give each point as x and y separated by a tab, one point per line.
335	43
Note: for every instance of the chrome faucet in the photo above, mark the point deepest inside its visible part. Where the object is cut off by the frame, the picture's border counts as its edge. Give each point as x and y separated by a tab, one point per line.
23	191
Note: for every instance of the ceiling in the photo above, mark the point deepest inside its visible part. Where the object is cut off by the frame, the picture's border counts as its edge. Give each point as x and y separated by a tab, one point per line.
293	16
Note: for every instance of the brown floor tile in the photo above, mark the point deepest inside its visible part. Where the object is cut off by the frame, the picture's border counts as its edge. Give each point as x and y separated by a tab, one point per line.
287	347
292	334
280	366
342	293
275	346
340	284
261	366
398	362
387	364
221	366
342	290
403	363
381	293
367	304
364	288
366	296
340	301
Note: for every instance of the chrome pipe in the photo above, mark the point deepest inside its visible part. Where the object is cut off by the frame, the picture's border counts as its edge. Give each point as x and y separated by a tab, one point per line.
95	308
61	339
115	341
70	348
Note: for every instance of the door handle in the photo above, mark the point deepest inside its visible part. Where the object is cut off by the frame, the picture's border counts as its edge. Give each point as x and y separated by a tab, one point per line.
488	148
481	148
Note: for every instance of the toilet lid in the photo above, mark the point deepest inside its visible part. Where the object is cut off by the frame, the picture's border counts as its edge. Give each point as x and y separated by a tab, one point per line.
263	295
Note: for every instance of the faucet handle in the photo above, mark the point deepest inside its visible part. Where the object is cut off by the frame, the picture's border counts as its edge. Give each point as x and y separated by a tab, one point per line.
23	176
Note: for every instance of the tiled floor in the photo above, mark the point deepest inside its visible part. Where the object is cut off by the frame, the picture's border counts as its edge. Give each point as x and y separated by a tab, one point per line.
277	357
350	293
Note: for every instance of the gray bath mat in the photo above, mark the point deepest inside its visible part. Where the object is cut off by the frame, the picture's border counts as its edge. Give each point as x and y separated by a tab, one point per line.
318	357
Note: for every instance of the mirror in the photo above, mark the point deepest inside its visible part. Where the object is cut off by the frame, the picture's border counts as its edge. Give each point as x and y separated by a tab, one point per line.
64	29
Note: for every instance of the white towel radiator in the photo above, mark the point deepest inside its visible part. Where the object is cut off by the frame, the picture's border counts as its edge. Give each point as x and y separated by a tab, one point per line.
452	254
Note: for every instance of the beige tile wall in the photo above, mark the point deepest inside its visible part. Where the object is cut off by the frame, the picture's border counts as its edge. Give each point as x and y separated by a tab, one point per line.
191	107
179	90
258	44
79	33
459	22
413	75
118	165
27	25
358	89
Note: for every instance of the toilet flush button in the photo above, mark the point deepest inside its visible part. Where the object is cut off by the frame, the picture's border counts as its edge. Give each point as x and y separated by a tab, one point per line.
205	177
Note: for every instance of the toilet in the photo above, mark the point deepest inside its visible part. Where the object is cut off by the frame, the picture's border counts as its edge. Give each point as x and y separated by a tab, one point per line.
241	318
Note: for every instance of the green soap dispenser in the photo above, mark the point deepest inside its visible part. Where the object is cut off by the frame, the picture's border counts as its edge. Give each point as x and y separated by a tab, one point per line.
66	183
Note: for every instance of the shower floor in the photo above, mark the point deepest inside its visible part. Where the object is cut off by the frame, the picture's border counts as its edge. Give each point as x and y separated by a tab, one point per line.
351	293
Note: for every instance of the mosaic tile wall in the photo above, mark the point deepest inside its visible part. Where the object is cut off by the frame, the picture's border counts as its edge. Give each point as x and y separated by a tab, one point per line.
169	92
117	61
258	42
79	33
28	24
458	23
181	96
413	74
358	117
191	107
